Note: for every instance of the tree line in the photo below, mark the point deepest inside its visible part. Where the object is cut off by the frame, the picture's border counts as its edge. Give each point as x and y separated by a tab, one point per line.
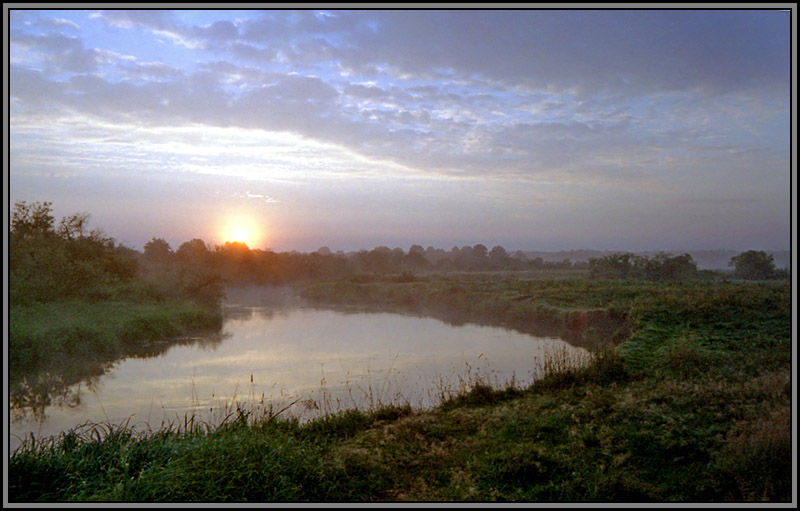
236	263
50	262
749	265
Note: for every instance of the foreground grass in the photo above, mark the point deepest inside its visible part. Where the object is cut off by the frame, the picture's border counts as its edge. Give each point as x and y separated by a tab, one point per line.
694	405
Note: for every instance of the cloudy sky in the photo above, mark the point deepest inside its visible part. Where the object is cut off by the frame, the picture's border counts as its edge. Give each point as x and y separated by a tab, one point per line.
530	129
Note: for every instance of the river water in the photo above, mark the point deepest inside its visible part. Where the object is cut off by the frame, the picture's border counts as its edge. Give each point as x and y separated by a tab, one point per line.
298	361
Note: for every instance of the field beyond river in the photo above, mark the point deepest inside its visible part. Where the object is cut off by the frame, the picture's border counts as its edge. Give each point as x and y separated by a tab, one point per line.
687	399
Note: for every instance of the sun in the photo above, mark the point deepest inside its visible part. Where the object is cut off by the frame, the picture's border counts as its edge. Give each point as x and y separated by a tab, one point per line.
242	229
240	233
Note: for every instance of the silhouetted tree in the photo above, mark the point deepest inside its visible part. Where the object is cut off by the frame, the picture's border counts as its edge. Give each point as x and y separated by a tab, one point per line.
536	263
662	266
434	255
499	257
194	250
415	260
479	252
74	226
613	266
377	260
753	265
31	219
630	266
397	256
158	251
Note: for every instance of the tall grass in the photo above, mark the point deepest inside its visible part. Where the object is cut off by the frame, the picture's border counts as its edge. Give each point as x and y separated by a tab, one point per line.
46	333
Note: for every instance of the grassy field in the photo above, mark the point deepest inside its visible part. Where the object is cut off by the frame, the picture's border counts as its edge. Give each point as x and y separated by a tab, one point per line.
688	399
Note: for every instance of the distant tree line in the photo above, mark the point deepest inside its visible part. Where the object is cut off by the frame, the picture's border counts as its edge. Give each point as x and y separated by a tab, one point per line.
750	265
236	263
49	262
662	266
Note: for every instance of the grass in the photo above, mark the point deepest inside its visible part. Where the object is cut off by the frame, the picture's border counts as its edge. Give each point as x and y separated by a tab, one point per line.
44	336
692	405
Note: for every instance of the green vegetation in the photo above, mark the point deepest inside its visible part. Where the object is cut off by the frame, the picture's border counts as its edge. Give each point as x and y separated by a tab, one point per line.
756	265
662	266
687	398
49	334
691	404
76	295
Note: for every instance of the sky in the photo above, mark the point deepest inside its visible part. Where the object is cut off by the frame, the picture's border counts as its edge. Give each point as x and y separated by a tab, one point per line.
297	129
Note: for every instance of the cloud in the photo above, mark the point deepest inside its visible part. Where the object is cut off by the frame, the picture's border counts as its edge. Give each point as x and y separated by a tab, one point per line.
31	88
370	92
57	23
58	52
150	71
222	30
613	126
589	51
153	19
631	51
511	94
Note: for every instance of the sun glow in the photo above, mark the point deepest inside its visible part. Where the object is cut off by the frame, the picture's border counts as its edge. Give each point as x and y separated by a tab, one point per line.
244	230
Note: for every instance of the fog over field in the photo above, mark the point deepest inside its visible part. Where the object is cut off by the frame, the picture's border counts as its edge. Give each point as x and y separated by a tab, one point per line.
536	130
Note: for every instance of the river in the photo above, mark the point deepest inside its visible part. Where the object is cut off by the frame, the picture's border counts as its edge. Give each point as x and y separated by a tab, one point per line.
297	361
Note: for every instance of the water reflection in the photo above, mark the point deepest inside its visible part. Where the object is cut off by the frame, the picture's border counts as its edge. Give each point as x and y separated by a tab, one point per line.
303	361
30	395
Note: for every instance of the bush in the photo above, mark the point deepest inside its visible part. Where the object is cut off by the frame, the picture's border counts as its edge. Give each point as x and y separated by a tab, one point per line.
662	266
753	265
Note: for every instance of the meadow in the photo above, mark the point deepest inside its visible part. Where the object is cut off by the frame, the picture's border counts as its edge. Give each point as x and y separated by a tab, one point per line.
687	399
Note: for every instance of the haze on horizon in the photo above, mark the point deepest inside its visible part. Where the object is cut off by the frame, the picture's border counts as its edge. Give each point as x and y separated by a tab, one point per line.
531	129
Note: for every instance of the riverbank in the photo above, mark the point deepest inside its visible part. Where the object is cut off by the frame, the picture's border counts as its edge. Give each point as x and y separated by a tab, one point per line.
584	312
690	401
50	335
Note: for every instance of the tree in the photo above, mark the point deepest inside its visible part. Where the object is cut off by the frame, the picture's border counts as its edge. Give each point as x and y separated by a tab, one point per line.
612	266
480	252
498	256
417	249
665	267
415	260
195	250
74	226
157	250
31	219
47	265
378	260
753	265
630	266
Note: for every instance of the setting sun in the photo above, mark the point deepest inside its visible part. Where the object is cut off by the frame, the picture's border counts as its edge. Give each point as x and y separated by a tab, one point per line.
240	234
242	229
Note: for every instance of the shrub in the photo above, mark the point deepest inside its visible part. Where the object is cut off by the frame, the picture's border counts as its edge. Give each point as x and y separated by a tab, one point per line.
753	265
